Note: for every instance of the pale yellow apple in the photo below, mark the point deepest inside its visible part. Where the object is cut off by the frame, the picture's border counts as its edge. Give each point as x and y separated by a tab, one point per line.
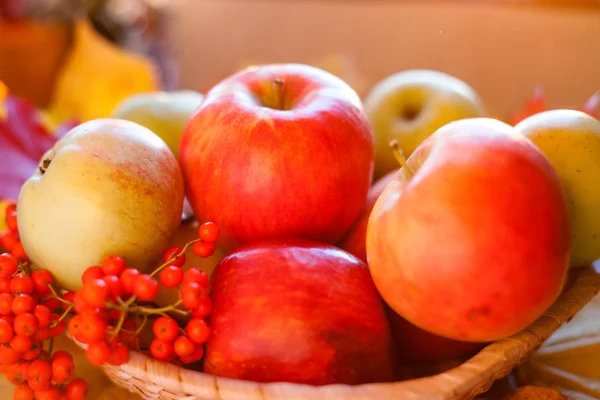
571	141
164	113
410	105
107	187
186	233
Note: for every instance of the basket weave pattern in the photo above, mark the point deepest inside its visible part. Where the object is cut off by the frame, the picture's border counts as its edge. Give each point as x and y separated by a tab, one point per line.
158	380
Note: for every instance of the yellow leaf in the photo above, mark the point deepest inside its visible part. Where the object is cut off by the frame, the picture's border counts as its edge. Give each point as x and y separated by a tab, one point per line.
97	76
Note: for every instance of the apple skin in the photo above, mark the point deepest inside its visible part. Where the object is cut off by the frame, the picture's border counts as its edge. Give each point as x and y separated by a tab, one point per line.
261	172
355	241
475	245
164	113
416	345
112	187
292	310
410	105
571	141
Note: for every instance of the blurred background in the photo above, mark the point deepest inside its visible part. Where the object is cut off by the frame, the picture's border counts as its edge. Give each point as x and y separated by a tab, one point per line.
502	48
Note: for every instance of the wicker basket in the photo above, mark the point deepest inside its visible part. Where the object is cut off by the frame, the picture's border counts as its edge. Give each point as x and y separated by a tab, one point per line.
158	380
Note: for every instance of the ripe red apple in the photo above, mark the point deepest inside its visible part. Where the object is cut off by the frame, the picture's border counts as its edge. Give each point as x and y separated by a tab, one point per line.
279	150
473	242
416	345
355	241
292	310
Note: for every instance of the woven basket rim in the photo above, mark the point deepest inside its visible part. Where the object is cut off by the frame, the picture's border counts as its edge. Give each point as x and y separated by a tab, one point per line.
150	377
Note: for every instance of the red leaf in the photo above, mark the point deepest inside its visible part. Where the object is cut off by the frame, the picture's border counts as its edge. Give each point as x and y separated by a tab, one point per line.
23	142
534	105
591	105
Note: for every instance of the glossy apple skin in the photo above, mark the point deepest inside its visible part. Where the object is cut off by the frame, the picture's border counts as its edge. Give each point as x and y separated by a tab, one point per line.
261	172
475	246
414	344
355	242
292	310
571	141
112	187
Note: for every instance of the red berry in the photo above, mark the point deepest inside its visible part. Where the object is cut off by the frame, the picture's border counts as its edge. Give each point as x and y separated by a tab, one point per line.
128	278
184	347
74	327
23	392
21	284
11	220
23	303
171	276
115	286
190	295
17	373
79	303
33	353
61	354
145	287
6	331
8	355
19	252
198	330
25	324
57	326
53	304
21	344
43	315
5	284
8	240
40	371
42	333
8	264
204	249
98	353
11	207
165	329
91	274
41	280
62	369
95	292
204	307
198	276
209	232
68	296
113	265
50	393
119	354
92	327
171	256
194	357
77	389
161	350
6	300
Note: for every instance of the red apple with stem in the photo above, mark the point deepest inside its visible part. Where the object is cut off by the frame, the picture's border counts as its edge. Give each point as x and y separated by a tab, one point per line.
279	150
292	310
471	241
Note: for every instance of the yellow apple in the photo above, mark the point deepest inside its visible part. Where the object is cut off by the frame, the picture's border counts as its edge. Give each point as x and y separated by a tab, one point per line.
164	113
410	105
107	187
571	141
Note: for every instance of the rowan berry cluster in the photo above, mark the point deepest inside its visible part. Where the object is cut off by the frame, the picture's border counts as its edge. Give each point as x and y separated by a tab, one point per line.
109	314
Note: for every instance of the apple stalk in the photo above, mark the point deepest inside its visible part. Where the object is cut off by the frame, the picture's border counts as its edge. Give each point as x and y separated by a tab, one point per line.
397	152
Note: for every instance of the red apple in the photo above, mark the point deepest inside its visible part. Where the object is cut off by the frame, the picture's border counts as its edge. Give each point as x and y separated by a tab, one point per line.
355	241
414	344
279	150
292	310
473	242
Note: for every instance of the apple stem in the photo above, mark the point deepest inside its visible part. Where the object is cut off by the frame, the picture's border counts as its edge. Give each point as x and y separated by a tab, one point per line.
279	89
397	152
44	166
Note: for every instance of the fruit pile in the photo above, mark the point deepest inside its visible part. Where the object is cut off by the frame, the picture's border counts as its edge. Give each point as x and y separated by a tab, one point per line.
346	236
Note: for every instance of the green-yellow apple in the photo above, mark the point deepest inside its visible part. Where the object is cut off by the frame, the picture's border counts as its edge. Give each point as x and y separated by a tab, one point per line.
108	187
471	241
279	150
410	105
292	310
571	141
164	113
